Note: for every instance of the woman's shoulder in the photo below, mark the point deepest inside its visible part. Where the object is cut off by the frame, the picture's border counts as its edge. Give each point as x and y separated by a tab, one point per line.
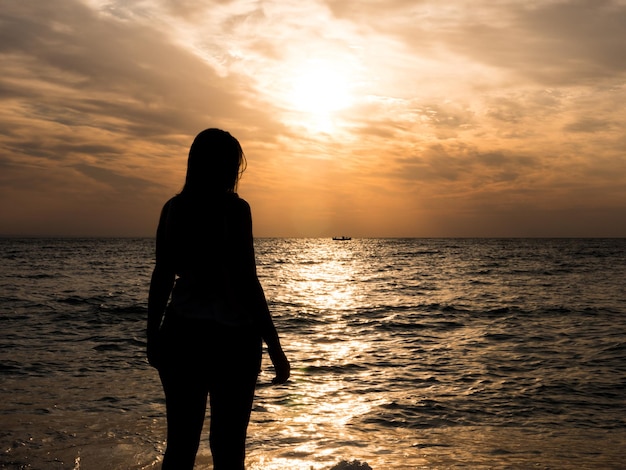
177	199
240	202
171	204
165	209
239	211
232	201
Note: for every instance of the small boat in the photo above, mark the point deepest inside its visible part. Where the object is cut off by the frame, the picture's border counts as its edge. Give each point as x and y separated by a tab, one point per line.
342	238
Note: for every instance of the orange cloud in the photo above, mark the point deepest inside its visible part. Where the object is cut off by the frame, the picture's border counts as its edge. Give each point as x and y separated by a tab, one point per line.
394	119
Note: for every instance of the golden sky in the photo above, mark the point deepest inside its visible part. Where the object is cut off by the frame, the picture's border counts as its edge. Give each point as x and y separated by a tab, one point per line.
367	118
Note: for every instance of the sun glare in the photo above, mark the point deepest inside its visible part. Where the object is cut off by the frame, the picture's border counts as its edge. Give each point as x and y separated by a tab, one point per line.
319	89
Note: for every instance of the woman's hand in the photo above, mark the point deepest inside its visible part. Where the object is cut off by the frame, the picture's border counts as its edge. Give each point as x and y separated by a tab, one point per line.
281	364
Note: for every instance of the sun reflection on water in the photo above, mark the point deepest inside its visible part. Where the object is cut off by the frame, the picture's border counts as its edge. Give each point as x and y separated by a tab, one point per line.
327	276
324	404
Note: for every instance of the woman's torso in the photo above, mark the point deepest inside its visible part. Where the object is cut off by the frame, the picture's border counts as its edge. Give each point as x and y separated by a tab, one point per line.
205	242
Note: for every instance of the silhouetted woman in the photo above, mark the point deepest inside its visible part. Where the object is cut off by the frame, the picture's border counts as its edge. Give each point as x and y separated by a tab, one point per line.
207	339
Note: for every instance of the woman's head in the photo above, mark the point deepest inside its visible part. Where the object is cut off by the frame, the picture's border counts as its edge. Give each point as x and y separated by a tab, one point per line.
215	164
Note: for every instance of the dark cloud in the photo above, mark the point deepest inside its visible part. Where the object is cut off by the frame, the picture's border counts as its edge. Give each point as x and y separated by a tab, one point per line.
80	82
589	124
99	66
554	43
468	165
120	183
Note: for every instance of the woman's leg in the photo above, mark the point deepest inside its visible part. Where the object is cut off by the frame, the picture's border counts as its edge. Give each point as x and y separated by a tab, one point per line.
233	383
185	383
185	401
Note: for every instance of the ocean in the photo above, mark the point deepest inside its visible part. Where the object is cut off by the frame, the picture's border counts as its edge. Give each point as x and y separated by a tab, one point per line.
406	354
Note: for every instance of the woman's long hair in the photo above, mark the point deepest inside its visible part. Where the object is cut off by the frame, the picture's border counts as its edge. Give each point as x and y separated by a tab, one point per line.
215	164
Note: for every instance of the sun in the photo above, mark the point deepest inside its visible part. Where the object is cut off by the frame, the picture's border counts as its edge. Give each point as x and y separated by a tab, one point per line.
318	89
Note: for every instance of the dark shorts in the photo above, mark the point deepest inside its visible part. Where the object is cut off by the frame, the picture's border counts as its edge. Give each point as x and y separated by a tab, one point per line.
206	346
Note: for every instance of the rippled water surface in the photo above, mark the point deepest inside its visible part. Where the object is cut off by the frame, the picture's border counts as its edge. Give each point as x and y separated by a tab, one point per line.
406	354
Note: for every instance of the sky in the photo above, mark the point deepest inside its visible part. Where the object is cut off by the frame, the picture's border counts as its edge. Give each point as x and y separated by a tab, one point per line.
369	118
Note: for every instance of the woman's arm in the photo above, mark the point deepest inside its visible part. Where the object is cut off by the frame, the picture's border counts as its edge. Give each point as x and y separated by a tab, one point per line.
269	333
260	307
161	285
